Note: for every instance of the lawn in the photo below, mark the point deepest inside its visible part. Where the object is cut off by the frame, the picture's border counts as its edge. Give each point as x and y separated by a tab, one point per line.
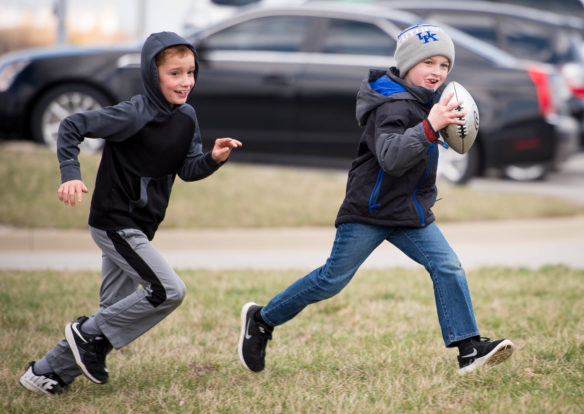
238	195
374	348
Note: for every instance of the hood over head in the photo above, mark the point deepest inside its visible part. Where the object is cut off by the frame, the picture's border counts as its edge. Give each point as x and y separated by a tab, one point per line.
154	44
384	86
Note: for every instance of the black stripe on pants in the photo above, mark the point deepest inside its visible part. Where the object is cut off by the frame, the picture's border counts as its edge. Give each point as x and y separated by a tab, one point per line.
158	293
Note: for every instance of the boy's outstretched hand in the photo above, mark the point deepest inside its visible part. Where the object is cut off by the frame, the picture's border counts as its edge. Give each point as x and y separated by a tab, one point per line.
223	147
69	189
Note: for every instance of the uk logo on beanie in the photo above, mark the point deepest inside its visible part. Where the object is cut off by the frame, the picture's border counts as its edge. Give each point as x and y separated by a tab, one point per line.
420	42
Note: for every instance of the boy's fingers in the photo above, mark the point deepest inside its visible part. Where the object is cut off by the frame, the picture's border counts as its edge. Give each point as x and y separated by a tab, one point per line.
455	105
448	98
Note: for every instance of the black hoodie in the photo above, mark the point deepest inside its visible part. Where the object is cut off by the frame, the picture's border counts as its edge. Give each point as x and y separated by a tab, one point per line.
147	143
392	182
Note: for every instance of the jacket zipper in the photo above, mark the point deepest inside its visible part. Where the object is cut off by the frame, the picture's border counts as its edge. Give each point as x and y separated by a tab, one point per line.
376	191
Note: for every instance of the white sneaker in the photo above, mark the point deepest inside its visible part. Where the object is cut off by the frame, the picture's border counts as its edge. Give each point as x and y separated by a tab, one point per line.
49	384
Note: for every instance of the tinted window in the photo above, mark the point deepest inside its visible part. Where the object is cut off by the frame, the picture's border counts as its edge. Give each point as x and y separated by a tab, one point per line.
528	40
480	26
281	34
358	38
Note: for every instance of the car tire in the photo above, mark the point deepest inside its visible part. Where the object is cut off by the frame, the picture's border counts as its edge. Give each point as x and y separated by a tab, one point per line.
60	102
458	168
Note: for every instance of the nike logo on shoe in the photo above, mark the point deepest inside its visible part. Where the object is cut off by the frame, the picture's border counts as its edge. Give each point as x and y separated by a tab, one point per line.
247	335
472	354
78	332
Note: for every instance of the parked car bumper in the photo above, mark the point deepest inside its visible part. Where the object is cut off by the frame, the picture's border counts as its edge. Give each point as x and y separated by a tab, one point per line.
12	122
567	132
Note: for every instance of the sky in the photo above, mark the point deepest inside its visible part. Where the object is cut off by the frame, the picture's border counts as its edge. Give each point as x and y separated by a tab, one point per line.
114	15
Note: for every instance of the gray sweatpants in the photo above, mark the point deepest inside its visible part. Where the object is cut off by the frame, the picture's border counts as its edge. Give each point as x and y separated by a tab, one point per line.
138	289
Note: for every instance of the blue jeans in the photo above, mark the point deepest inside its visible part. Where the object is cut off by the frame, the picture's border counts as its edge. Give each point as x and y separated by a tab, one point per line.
353	243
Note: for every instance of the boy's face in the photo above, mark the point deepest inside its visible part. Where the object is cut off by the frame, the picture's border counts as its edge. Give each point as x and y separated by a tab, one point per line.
176	77
430	73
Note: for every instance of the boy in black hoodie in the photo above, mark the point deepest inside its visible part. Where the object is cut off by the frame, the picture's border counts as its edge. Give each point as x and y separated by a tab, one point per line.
150	139
390	191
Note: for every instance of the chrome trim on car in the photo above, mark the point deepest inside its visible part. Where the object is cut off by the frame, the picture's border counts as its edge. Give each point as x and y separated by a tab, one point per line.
299	58
128	60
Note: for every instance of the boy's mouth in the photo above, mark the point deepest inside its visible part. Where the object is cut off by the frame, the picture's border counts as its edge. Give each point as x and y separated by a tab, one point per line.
432	83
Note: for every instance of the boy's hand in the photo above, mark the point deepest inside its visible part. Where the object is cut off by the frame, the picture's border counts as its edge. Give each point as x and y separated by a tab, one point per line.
68	189
442	113
223	147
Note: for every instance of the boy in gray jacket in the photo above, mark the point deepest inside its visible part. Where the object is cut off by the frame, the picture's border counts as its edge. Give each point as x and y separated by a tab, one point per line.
150	139
390	191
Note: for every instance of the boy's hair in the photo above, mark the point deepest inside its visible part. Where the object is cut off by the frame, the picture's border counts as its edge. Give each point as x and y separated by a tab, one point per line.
420	42
180	50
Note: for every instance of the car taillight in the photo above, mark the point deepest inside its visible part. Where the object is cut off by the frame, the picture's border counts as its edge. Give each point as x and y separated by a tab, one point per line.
578	91
543	89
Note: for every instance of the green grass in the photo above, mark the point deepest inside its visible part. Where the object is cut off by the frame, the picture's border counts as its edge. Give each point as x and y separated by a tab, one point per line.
238	195
374	348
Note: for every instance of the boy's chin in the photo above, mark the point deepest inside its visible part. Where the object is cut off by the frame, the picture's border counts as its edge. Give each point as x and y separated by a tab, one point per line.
435	87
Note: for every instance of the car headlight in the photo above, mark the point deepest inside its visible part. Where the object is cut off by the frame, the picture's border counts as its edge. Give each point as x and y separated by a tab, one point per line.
9	71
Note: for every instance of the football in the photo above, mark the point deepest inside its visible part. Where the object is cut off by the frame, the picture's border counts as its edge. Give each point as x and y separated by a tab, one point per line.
461	137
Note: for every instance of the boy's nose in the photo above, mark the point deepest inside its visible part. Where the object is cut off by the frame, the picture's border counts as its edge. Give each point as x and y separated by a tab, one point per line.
187	81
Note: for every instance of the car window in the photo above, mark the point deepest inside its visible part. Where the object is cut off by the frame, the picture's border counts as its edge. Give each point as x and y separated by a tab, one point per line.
528	40
480	26
278	33
356	38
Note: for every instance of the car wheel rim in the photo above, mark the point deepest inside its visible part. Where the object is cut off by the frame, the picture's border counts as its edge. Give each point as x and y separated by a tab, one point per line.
62	106
452	166
525	173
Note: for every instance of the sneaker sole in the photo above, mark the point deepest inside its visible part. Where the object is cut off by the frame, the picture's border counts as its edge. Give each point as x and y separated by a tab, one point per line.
499	354
244	311
70	336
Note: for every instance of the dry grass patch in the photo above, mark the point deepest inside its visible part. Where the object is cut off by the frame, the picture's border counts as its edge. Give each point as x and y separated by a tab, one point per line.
374	348
236	196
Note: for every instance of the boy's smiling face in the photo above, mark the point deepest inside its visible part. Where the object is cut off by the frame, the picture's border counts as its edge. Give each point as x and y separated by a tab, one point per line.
176	77
430	73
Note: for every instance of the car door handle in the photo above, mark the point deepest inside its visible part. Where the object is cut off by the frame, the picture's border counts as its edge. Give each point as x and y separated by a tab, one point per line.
279	80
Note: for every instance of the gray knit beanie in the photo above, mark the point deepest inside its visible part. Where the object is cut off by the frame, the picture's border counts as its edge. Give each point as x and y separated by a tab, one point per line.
420	42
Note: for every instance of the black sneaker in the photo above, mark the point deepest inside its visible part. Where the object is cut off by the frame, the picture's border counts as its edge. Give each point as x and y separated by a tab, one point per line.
50	383
483	351
253	339
89	351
